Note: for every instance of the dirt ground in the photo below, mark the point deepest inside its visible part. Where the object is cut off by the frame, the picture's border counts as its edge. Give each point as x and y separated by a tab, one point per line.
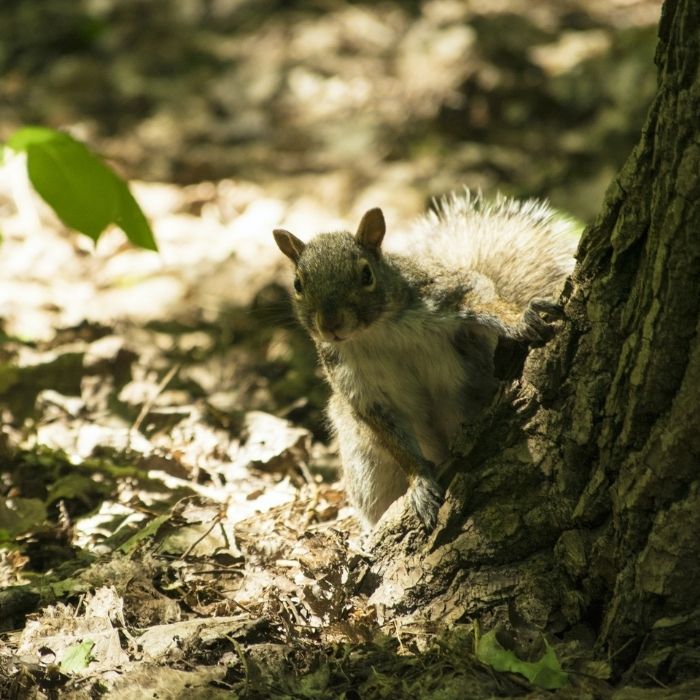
172	522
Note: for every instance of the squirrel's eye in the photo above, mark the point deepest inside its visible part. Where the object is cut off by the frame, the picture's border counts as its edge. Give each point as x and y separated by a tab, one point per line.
366	276
297	285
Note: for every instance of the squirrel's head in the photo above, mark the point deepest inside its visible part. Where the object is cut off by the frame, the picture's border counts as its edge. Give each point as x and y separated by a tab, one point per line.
338	289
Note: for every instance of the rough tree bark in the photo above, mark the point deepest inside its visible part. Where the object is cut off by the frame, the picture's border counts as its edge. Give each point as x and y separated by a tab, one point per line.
580	503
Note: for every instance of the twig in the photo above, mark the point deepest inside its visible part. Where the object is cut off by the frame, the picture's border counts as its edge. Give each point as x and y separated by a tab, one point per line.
188	551
148	405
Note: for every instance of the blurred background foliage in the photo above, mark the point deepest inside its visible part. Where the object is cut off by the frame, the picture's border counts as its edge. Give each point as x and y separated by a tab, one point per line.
532	98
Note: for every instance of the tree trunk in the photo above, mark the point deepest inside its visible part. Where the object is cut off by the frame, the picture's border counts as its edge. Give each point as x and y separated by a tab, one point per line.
580	502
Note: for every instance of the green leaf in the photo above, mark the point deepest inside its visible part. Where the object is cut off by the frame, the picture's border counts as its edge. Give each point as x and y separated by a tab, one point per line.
545	673
76	486
74	183
85	194
144	533
68	586
77	657
22	139
20	515
131	219
9	376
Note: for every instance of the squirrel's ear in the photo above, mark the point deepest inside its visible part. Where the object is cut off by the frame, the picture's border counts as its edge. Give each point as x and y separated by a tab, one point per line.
371	230
289	244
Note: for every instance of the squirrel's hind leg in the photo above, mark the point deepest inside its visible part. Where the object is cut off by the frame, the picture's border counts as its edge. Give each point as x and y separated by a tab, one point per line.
426	497
373	478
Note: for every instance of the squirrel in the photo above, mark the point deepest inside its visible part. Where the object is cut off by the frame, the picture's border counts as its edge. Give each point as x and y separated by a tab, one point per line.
411	344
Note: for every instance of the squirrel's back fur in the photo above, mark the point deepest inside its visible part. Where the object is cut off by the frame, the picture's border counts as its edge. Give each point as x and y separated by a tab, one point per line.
524	246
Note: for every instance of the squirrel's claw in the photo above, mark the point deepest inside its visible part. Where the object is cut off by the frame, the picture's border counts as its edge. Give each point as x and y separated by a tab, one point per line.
537	324
426	496
544	306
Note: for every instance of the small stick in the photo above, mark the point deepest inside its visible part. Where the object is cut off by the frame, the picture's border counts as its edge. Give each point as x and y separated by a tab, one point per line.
148	405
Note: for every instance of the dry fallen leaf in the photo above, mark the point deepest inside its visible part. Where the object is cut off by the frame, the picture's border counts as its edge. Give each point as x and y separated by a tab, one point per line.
58	628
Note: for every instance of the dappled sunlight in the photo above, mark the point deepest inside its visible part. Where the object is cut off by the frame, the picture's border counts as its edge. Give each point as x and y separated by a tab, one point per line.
170	489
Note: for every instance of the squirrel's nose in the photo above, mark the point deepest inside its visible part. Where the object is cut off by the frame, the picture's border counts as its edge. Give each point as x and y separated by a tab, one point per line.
330	320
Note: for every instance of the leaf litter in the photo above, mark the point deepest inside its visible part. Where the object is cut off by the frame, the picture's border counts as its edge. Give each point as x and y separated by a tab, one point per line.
156	507
164	523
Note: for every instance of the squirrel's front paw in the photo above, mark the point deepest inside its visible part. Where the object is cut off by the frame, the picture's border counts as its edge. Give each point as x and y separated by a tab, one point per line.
538	321
426	497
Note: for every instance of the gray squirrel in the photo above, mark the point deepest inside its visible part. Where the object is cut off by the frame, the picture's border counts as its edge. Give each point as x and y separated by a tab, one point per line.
410	344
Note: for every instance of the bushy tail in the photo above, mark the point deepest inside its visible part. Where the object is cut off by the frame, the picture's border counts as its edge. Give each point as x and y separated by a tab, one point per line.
524	246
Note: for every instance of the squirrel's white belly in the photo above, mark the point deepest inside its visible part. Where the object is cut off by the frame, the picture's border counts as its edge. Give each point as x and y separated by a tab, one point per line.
414	371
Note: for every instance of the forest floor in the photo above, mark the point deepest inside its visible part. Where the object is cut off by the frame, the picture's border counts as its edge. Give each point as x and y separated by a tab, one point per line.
171	521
